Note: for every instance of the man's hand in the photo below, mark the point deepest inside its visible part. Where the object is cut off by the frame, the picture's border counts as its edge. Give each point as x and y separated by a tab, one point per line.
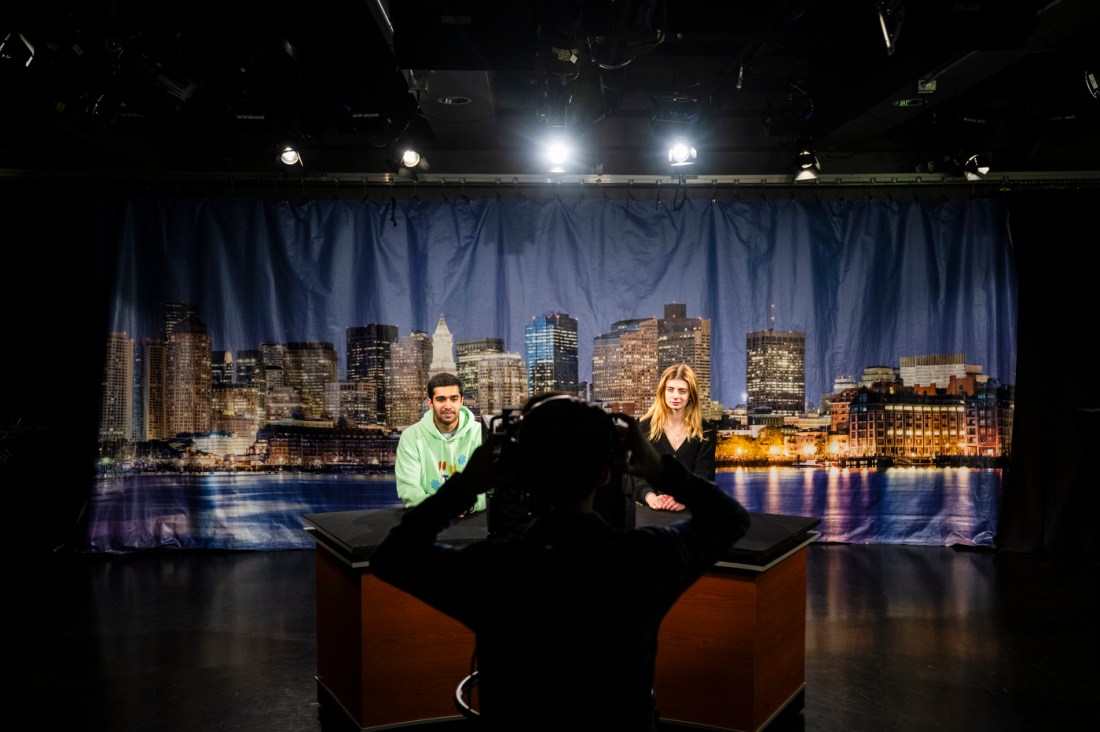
485	469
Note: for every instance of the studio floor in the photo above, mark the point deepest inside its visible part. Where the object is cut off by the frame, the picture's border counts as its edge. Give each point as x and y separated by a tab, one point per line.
899	638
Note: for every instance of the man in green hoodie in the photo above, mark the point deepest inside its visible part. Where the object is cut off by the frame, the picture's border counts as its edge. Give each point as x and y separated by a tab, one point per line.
439	445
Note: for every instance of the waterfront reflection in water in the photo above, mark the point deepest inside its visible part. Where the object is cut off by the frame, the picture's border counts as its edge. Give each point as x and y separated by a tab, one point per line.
930	506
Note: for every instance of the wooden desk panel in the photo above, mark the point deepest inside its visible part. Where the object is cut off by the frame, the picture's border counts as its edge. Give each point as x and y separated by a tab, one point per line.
384	655
731	651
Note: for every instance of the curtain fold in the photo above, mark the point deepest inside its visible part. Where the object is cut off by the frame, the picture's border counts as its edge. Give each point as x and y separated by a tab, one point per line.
868	282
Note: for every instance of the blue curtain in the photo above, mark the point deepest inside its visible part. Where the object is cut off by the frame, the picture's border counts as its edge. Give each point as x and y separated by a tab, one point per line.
867	281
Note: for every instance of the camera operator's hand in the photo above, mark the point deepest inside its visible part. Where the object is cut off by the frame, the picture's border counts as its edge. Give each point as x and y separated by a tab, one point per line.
485	469
643	459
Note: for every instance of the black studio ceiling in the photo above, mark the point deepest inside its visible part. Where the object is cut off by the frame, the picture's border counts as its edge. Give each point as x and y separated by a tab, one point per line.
211	87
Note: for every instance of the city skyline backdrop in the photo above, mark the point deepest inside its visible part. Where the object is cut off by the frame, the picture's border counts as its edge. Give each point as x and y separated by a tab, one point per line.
868	282
161	389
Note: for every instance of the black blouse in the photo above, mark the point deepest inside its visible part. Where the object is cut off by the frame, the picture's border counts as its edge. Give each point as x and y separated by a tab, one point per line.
697	455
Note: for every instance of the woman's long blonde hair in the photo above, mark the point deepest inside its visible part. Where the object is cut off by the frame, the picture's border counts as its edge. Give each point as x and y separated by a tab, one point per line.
659	412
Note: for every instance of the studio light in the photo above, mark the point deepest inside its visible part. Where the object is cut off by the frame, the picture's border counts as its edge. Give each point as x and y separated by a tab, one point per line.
681	153
677	123
405	161
16	46
890	15
289	155
558	154
807	166
976	167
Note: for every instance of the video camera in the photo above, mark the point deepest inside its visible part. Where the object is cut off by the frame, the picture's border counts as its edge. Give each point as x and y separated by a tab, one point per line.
511	504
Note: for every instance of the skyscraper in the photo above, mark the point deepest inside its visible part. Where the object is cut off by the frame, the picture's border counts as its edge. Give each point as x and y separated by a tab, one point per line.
503	382
681	339
116	390
469	353
443	359
154	378
249	369
172	313
137	407
624	366
154	375
309	366
407	385
775	369
369	350
189	404
272	358
552	365
222	369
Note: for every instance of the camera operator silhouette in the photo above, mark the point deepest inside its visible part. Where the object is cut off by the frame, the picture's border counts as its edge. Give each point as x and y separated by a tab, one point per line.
566	609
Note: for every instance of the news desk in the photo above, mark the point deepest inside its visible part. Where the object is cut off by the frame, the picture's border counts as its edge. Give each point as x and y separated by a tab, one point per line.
731	653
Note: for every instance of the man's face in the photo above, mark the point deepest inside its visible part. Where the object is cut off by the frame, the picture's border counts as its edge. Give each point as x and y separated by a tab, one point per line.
445	403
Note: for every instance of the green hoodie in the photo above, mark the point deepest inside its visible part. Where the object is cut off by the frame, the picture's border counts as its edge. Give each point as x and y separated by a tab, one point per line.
425	459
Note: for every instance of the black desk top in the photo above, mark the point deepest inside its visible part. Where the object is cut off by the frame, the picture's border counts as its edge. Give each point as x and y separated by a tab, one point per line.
353	535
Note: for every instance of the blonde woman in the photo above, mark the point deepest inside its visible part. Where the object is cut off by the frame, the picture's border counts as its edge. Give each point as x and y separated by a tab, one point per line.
674	424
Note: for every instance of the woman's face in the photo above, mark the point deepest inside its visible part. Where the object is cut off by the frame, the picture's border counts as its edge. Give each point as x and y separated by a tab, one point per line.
676	394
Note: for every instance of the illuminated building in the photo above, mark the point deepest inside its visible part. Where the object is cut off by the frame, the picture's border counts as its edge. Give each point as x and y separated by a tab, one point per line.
369	350
189	391
551	342
936	369
681	339
353	401
468	354
116	391
309	365
502	378
624	366
775	372
407	392
908	425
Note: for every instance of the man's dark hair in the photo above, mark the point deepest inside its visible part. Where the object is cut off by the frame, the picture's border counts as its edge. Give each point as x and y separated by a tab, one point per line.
443	379
565	444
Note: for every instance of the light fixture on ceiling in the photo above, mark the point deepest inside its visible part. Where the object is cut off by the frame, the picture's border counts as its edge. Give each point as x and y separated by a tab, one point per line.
681	153
976	167
559	139
558	154
806	164
453	100
406	161
677	122
289	155
10	50
890	15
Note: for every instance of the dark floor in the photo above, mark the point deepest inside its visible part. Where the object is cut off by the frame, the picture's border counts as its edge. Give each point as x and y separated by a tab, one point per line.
898	638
